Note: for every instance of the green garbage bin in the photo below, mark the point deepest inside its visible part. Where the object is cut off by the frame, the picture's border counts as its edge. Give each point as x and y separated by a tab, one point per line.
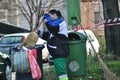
76	61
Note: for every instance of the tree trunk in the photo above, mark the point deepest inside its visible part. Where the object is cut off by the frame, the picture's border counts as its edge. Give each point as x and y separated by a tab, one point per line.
112	33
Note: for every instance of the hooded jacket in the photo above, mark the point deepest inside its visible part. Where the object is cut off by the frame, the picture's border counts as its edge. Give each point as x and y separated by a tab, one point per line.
57	37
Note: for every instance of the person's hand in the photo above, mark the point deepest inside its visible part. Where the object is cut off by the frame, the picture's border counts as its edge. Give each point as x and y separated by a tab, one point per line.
46	12
38	32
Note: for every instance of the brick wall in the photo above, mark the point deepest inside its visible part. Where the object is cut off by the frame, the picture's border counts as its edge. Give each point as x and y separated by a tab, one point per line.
87	13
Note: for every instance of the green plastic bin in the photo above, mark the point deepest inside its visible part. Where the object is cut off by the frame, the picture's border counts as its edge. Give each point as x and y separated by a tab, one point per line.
76	61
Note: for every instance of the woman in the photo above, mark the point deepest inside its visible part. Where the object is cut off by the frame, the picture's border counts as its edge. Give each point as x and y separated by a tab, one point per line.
57	41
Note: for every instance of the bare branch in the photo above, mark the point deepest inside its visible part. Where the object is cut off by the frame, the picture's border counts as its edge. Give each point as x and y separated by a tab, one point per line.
33	6
29	7
23	9
24	13
36	1
37	14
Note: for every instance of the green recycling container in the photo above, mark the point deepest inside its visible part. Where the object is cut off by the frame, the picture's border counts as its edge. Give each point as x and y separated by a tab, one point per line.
76	61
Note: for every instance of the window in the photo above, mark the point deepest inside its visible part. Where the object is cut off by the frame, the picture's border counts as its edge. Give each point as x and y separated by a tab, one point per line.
97	17
3	16
11	40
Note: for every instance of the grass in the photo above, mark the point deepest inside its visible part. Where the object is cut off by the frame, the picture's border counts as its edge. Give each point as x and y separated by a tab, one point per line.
94	71
49	74
114	66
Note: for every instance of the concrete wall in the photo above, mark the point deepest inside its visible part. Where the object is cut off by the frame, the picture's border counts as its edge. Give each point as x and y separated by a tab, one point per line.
11	11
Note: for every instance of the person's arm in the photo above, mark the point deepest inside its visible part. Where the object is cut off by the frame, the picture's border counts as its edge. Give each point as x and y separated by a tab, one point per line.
44	34
47	17
50	22
40	33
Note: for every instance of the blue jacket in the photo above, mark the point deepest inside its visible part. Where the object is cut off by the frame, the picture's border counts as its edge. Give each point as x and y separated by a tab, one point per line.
57	26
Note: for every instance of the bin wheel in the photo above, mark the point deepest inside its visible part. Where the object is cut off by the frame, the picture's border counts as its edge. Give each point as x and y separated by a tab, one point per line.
8	72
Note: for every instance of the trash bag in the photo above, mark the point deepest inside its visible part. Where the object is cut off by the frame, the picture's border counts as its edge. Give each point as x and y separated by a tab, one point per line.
35	69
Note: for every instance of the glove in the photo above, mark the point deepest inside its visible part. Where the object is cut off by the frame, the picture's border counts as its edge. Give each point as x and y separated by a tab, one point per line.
40	33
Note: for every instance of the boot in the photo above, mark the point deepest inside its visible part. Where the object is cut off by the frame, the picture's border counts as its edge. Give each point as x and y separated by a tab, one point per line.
63	77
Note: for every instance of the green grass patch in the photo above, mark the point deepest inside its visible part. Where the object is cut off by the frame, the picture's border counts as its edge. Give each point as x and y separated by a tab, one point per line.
94	71
114	66
49	74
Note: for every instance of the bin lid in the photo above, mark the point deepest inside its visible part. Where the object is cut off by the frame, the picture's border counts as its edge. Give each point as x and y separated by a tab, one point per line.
76	36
